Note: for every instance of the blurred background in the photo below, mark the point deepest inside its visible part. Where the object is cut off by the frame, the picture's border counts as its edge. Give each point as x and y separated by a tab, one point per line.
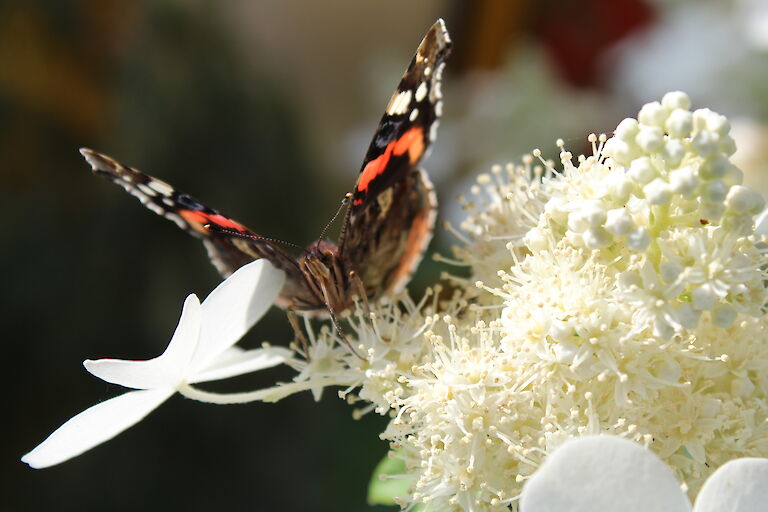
264	109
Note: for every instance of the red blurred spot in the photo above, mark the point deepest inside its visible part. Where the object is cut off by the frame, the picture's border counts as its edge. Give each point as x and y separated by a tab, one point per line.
577	34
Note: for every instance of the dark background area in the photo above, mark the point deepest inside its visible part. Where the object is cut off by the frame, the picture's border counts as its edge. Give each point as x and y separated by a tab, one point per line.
264	111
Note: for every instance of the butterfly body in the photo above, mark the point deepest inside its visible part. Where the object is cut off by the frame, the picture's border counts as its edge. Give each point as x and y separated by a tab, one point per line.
389	218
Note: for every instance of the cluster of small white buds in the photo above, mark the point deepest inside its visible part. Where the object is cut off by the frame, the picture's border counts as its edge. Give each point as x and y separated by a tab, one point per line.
670	155
664	189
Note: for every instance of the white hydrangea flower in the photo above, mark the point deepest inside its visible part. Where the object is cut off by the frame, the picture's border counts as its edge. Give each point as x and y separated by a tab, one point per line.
200	350
610	474
633	305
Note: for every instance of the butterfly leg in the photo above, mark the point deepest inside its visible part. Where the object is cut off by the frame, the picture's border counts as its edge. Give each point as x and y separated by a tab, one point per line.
336	323
359	289
293	319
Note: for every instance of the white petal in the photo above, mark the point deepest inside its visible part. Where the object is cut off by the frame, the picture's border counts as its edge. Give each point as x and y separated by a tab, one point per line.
236	361
740	485
233	307
164	371
604	473
95	425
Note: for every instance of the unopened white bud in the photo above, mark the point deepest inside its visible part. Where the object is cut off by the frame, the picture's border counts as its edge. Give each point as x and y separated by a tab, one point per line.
620	187
618	221
718	124
679	123
700	117
683	181
638	240
714	167
715	192
620	151
706	143
653	114
650	139
596	238
727	145
658	192
676	99
673	153
593	213
741	199
642	170
627	129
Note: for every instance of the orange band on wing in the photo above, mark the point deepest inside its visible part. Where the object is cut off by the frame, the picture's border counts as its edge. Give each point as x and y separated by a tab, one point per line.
411	142
198	220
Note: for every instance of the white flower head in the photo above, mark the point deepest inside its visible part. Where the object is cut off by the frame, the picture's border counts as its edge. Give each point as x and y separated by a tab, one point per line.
201	349
632	306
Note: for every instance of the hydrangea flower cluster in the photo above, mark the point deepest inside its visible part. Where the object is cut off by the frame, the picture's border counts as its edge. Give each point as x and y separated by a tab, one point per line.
622	293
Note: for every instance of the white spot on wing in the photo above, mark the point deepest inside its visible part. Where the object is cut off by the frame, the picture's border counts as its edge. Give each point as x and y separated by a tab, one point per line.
161	187
414	115
177	219
439	108
421	91
155	208
433	130
437	92
399	103
146	190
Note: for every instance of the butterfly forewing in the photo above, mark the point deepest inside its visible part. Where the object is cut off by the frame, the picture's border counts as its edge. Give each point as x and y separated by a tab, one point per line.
392	212
410	121
230	244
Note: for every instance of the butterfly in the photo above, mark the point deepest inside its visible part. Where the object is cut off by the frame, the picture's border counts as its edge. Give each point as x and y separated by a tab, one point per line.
389	215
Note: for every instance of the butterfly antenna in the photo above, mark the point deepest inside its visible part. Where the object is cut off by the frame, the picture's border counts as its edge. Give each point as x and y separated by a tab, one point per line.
248	236
344	202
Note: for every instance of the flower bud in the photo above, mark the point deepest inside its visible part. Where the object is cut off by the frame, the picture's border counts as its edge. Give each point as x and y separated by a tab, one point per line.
683	181
679	123
658	192
676	99
638	240
653	114
650	139
642	170
618	221
627	129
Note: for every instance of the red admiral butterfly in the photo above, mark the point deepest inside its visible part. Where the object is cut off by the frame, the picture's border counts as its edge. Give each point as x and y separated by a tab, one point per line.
389	218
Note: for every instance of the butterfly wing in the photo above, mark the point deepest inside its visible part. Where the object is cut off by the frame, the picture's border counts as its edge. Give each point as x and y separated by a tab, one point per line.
392	209
230	245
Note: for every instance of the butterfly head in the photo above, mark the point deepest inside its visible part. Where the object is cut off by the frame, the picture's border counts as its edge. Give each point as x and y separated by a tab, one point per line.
327	276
